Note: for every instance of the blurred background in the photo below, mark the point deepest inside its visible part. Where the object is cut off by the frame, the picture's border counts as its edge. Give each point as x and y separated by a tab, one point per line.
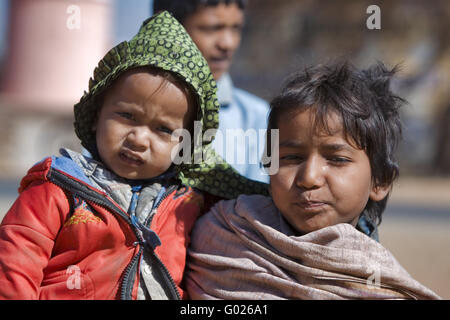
49	48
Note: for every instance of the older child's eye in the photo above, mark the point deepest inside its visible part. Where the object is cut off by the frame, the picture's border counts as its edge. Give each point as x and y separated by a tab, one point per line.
237	28
209	29
288	157
291	157
339	160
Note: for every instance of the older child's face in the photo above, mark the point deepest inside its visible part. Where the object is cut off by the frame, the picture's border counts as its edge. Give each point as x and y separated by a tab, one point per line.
135	124
322	180
216	30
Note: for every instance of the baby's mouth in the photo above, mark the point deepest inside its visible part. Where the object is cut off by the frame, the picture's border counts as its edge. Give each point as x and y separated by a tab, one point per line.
130	158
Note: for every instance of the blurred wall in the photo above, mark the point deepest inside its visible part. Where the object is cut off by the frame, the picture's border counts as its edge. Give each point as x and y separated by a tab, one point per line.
52	48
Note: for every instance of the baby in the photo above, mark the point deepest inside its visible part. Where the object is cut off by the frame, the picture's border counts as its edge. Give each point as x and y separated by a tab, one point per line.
338	130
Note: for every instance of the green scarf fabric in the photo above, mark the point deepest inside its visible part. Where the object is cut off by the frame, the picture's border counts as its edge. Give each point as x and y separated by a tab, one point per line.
162	42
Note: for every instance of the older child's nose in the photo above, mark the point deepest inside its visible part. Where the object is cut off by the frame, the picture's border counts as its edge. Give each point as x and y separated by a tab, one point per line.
311	174
139	138
227	41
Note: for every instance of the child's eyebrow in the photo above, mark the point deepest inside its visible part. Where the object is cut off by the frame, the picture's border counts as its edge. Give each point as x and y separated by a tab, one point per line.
168	122
336	147
332	147
291	144
129	105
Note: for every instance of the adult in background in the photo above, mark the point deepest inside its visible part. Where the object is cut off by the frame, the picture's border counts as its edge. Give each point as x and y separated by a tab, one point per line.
216	27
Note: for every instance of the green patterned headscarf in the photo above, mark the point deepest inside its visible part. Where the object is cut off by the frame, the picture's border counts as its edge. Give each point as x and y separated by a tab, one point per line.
162	42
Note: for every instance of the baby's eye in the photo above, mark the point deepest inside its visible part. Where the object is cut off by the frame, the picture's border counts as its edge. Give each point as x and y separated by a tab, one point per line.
165	130
125	115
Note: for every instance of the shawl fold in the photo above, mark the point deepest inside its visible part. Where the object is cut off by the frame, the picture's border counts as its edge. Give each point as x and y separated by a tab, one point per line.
244	249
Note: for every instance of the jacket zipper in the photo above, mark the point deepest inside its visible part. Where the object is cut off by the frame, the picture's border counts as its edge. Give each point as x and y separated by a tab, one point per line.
126	289
90	195
164	271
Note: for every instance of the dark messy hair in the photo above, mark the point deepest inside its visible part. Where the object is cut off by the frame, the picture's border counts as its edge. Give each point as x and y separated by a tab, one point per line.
369	111
180	9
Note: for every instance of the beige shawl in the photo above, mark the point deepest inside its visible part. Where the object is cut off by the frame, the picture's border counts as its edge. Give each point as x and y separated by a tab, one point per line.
244	249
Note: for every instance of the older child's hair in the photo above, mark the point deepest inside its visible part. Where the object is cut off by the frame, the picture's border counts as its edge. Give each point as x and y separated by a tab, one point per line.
181	9
368	109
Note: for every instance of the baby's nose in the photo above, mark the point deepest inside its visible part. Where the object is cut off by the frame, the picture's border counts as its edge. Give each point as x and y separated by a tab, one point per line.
139	138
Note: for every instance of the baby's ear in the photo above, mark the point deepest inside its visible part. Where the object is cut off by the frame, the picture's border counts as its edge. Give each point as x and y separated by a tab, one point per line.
95	122
378	193
99	100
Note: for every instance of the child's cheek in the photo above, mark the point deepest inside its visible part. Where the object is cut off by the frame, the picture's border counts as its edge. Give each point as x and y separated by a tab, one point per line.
351	194
279	186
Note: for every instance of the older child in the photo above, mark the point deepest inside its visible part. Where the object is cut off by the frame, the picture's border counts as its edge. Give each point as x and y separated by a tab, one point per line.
216	26
117	225
338	130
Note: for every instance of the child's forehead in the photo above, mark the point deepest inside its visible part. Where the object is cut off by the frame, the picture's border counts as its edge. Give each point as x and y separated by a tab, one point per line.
141	83
307	123
143	92
327	122
137	77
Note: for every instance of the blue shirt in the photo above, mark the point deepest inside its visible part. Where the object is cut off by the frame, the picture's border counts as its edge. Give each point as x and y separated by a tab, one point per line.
242	125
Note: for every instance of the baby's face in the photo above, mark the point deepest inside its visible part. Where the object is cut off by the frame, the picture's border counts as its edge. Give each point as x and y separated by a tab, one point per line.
134	127
322	180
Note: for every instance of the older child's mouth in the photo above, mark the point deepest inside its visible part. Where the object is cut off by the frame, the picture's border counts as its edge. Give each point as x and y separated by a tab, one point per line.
130	159
311	206
220	63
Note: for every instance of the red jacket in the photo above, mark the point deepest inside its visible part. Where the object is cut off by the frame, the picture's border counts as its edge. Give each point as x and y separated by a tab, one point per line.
54	248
